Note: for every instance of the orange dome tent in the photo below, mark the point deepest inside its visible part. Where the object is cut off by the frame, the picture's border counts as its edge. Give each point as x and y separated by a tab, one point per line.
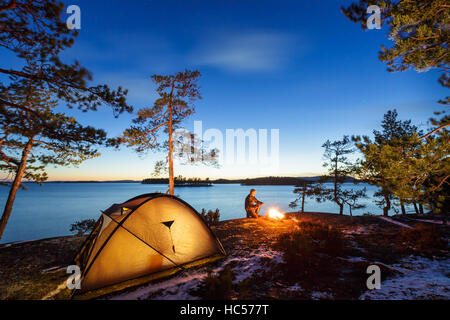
147	237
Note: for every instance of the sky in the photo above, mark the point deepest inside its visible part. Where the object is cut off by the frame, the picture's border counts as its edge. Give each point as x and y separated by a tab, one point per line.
297	66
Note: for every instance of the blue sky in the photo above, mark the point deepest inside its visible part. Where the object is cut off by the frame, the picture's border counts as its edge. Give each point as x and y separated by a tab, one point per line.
297	66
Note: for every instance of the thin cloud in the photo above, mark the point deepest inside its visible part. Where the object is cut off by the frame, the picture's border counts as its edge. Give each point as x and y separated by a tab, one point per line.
247	52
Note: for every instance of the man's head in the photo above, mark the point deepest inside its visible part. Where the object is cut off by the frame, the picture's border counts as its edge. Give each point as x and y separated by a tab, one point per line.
253	192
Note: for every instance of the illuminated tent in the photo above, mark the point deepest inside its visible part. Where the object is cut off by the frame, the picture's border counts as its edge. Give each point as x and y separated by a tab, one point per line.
147	237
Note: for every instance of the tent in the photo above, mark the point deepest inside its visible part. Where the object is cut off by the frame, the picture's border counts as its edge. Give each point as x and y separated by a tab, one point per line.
147	237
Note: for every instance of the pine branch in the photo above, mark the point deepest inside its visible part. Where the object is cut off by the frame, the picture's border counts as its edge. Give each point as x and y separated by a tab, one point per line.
9	6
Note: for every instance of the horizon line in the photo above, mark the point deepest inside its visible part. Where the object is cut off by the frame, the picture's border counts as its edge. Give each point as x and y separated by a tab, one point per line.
140	180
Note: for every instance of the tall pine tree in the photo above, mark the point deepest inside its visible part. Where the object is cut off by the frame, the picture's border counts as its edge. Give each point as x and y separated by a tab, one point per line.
33	134
177	94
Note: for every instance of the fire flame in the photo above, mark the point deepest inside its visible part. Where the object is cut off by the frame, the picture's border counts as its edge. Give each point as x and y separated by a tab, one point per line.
275	214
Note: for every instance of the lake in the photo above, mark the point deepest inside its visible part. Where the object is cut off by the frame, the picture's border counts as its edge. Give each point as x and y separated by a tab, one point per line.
49	210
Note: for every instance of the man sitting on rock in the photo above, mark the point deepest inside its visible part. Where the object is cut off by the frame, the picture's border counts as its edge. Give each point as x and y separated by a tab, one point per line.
252	205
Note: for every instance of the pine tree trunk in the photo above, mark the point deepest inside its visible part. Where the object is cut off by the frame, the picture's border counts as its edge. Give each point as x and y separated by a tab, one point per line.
303	199
341	208
171	180
387	206
415	207
14	187
421	208
341	205
402	206
432	207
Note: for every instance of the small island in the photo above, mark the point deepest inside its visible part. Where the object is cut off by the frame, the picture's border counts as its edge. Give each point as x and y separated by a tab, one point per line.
180	181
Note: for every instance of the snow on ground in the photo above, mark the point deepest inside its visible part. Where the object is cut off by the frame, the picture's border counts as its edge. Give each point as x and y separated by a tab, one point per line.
318	295
356	259
7	245
359	230
179	287
431	221
53	293
254	262
175	288
395	222
54	269
422	279
295	287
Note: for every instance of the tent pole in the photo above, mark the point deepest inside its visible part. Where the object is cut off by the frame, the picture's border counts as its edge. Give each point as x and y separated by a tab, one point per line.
177	265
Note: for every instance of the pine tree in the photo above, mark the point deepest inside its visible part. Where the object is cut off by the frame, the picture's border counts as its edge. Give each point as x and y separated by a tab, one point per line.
177	94
33	31
351	198
399	163
420	175
420	35
33	134
33	137
419	31
339	168
306	190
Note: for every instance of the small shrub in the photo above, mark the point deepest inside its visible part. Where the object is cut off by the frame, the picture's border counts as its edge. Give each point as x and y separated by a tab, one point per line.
210	217
298	251
244	290
82	227
308	251
424	238
326	239
218	287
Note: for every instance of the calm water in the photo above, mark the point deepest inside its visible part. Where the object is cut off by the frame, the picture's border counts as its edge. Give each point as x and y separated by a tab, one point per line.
49	210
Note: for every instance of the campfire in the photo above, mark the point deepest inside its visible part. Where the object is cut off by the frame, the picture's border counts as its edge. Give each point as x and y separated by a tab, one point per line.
275	214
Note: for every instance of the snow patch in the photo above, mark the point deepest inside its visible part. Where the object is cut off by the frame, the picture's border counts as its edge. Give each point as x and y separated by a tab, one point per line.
54	269
421	278
430	221
175	288
295	287
179	286
395	222
53	293
318	295
254	263
356	259
359	230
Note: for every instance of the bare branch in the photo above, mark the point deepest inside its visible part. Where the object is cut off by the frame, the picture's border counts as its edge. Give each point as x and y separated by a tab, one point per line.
440	184
437	129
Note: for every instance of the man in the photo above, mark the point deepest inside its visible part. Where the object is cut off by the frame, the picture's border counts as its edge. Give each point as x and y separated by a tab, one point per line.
252	205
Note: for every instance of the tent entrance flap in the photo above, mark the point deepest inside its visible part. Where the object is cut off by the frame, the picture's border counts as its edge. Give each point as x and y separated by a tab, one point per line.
168	224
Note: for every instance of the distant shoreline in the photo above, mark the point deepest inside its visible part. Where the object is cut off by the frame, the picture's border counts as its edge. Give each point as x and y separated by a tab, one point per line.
90	181
261	181
200	185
